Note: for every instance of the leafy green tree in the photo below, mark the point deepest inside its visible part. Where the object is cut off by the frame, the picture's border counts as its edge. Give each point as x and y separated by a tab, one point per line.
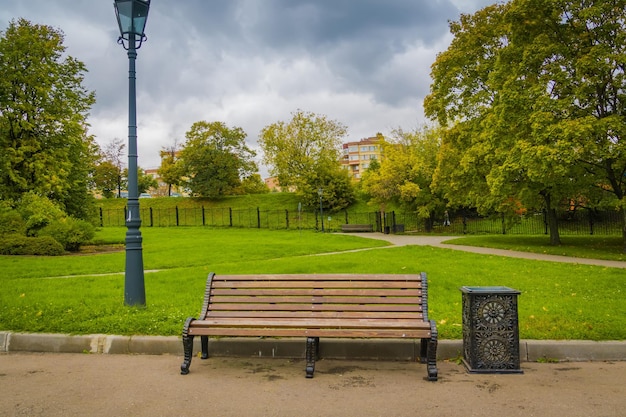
109	175
534	109
581	56
254	184
107	179
336	186
405	174
215	158
113	153
532	93
461	99
170	171
304	153
144	182
44	145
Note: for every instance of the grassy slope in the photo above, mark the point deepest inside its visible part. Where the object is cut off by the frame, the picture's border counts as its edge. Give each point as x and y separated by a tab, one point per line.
271	201
558	301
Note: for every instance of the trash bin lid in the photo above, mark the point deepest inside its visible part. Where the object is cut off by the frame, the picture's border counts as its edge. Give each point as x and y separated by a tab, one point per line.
488	290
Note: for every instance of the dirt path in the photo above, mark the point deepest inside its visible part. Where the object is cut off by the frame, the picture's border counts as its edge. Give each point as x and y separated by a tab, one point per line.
135	385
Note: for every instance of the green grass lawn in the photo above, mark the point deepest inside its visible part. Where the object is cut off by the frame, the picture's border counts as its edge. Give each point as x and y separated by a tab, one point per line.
594	247
83	294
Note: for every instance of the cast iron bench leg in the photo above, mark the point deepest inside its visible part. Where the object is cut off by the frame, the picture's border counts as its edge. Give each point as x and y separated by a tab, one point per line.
204	341
188	349
431	359
312	353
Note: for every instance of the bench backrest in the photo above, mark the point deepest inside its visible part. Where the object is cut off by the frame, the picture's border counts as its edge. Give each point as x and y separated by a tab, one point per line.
317	296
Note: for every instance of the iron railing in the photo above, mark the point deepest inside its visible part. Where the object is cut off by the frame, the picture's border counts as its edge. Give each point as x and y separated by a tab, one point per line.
570	223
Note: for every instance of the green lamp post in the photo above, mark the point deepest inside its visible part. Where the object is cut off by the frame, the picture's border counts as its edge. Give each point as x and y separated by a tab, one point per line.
131	18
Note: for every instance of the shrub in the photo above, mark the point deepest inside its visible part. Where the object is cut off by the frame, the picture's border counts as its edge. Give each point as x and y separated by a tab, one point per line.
11	222
38	212
69	232
14	244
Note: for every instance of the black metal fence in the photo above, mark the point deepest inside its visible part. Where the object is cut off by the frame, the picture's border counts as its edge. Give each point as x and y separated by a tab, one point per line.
228	217
584	222
570	223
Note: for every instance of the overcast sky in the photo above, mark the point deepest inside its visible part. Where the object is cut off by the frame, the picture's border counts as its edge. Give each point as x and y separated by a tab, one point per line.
250	63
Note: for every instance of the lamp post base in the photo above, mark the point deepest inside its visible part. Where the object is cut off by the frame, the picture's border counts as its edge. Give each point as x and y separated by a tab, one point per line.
134	288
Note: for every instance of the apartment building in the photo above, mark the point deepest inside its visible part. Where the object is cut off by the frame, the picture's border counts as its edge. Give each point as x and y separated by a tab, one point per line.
358	155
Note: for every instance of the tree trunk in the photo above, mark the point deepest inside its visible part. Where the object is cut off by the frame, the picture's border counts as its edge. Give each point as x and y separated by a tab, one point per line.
553	225
623	228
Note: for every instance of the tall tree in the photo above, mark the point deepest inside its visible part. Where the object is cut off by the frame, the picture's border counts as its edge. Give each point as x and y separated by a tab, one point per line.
144	181
562	87
533	91
335	184
44	145
215	158
304	154
584	69
405	174
170	170
254	184
106	179
461	100
113	153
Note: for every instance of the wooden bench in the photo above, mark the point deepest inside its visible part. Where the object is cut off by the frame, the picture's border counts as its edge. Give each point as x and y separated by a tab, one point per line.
357	228
314	306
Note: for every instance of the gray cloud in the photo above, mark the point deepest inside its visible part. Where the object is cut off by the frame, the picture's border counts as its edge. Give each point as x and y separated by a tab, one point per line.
249	63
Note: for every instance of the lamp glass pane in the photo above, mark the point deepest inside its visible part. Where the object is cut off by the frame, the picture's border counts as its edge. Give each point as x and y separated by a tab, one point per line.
140	14
125	12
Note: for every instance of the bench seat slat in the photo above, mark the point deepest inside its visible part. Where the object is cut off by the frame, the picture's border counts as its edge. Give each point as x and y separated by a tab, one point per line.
319	277
277	332
382	315
313	299
315	284
316	307
310	323
318	291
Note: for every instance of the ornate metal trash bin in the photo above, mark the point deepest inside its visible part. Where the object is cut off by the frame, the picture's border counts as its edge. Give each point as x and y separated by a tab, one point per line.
490	330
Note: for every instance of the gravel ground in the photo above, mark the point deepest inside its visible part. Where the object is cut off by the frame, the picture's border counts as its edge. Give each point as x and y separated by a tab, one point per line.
50	384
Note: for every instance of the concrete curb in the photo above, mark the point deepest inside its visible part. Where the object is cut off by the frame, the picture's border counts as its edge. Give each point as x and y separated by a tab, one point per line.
382	349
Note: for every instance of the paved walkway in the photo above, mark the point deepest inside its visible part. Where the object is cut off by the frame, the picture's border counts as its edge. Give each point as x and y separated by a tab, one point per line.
66	385
438	241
